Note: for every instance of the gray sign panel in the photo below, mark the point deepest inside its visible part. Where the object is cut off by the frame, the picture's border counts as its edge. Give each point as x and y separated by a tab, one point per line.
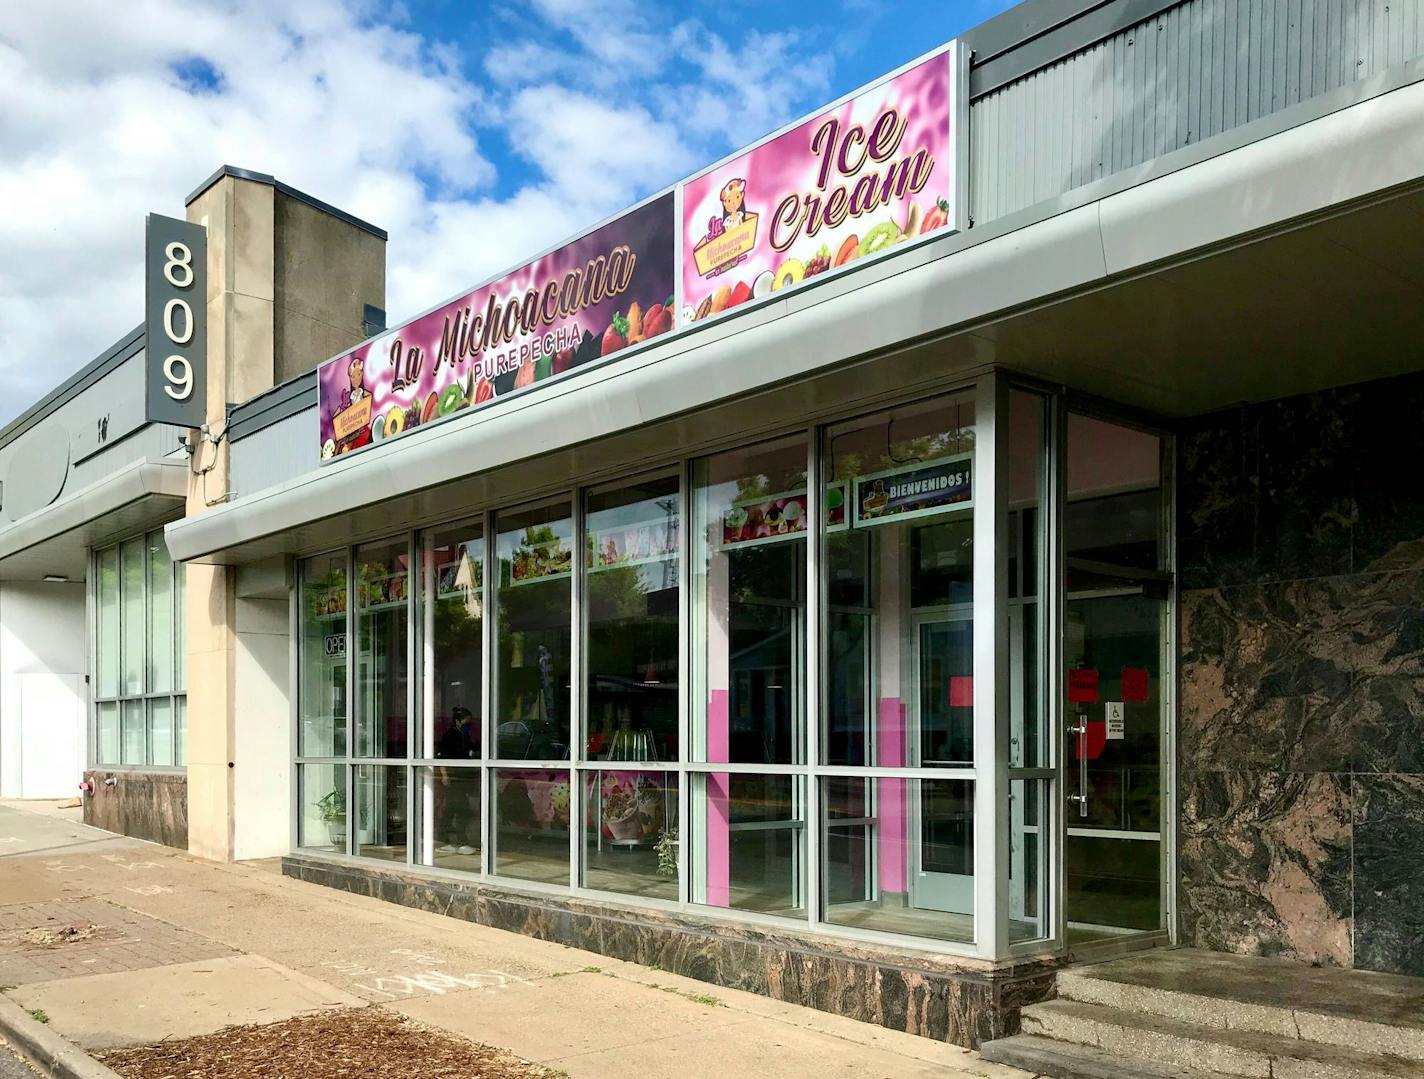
176	322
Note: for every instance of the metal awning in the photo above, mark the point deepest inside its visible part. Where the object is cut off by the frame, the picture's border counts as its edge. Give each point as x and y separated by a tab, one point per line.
1281	257
54	541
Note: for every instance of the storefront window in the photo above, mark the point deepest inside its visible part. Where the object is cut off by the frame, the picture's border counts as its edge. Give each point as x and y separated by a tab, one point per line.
749	608
321	800
450	833
532	811
631	621
630	832
382	658
138	645
898	669
533	656
899	640
452	625
750	849
902	838
321	729
380	811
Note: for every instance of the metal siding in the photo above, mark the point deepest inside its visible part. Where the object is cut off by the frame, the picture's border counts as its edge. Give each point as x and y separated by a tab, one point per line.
1188	73
275	454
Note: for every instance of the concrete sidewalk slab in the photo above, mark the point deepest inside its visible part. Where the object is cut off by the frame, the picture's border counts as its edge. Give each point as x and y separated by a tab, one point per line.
301	946
596	1012
106	1011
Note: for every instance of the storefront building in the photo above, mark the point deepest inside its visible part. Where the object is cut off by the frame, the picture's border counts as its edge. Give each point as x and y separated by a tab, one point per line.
1012	569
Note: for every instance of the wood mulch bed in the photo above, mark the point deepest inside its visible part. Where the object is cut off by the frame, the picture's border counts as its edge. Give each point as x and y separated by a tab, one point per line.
349	1043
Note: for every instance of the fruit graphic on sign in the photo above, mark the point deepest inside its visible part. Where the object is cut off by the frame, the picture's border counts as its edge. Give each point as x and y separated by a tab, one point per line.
850	248
879	238
936	218
787	274
432	405
452	399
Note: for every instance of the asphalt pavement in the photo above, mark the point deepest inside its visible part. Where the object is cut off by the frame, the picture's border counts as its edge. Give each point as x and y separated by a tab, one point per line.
12	1067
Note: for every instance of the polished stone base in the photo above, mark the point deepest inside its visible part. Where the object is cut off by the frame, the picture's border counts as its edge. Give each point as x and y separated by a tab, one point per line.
145	805
935	996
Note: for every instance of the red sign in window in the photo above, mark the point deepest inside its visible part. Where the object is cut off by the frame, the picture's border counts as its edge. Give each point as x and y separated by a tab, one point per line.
1083	685
961	691
1134	684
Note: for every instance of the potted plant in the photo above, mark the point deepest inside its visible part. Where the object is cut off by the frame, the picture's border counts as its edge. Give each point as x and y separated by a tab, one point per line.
332	807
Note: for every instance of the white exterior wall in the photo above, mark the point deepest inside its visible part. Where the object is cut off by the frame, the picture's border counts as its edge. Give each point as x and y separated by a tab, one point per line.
42	690
262	737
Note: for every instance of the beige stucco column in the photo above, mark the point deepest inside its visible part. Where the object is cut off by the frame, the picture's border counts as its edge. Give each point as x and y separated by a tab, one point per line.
288	282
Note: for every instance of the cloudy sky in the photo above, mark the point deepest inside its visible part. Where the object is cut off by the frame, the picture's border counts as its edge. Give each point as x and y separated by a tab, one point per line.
475	133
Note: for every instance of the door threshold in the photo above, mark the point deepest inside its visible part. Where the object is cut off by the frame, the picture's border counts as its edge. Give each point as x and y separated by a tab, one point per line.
1124	942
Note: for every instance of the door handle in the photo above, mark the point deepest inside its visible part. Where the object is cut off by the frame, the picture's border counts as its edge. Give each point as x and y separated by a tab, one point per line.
1079	730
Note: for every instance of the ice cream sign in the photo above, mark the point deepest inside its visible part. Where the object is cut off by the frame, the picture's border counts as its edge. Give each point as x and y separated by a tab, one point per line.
852	182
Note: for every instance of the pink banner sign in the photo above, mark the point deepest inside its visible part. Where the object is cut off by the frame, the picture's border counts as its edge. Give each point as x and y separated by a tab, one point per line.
850	183
604	292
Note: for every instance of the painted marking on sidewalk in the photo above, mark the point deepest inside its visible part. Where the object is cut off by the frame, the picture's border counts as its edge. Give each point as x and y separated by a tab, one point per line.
439	983
417	957
150	889
118	860
64	867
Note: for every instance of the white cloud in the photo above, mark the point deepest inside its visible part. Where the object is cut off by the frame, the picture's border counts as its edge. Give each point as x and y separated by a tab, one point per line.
108	111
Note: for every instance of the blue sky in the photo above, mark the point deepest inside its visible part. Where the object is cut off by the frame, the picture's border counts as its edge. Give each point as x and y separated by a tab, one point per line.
477	134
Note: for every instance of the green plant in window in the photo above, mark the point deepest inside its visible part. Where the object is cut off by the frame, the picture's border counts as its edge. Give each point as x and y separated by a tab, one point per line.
666	850
332	807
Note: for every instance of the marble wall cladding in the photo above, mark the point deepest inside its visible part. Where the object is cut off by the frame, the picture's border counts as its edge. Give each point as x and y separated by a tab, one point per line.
932	996
1301	667
152	806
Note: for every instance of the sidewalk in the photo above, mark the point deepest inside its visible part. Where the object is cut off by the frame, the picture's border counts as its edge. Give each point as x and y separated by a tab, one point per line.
171	947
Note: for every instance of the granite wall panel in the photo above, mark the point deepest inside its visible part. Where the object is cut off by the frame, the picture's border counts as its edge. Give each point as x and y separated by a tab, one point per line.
934	996
145	805
1301	714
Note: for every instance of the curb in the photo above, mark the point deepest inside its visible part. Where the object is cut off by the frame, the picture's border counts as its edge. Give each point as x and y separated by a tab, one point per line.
45	1049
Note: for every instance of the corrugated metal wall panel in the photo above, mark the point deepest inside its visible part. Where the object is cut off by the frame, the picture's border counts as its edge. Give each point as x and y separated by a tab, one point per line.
275	454
1195	70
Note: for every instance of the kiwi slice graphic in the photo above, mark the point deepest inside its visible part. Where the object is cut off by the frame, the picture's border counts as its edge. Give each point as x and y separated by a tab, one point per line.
879	238
451	398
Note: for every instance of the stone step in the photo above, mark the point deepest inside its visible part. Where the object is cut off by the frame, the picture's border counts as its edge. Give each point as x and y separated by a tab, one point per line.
1065	1060
1361	1010
1159	1040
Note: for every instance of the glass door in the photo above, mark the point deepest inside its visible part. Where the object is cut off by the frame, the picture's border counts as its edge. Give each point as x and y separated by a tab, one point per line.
943	736
1117	671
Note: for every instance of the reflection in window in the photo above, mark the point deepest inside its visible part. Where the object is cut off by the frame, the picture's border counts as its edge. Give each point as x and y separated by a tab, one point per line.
382	600
631	620
138	655
532	810
899	639
380	812
749	571
321	816
450	808
322	655
898	855
454	622
532	648
751	843
631	833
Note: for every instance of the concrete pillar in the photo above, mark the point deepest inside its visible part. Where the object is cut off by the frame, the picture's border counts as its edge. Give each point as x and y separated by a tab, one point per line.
288	282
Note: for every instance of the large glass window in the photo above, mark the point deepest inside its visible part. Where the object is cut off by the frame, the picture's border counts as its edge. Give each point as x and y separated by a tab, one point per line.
533	664
383	655
804	731
749	642
322	646
898	669
140	669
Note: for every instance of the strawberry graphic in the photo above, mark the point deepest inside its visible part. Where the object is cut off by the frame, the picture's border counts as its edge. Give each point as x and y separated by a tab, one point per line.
616	336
